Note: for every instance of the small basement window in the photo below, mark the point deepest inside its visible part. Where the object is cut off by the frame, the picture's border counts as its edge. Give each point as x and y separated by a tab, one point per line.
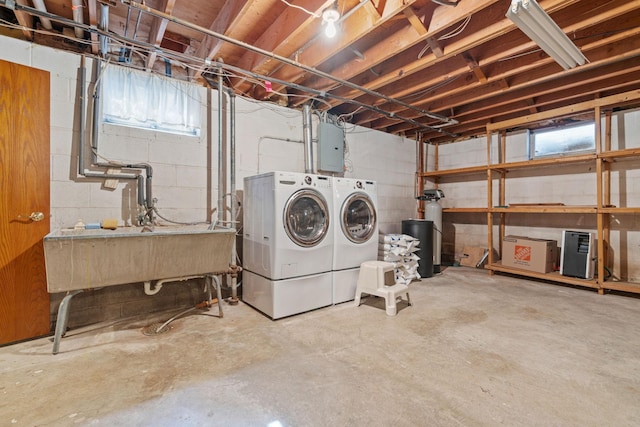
147	101
563	141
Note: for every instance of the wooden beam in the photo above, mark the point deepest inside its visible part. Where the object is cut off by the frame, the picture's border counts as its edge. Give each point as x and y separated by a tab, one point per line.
633	95
356	26
280	38
484	34
25	20
619	47
158	28
229	17
473	66
415	21
92	6
435	47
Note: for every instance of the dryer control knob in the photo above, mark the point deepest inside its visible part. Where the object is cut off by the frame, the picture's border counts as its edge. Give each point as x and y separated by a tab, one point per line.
307	180
359	184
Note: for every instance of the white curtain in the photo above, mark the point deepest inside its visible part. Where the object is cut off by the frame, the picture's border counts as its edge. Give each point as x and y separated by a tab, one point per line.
144	100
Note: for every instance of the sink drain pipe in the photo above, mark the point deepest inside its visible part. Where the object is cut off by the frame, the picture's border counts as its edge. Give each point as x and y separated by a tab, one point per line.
219	86
144	186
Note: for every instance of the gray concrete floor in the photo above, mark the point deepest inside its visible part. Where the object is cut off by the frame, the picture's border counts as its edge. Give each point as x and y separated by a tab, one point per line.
473	350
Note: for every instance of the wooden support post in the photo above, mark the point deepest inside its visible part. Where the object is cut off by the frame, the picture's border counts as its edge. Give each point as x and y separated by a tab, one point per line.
599	194
490	259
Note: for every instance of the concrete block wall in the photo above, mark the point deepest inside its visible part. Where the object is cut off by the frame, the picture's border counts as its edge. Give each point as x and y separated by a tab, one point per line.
573	185
268	137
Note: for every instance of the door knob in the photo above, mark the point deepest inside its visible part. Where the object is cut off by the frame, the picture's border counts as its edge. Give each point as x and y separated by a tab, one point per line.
35	216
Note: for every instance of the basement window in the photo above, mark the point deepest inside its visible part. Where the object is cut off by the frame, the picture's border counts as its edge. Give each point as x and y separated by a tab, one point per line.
563	141
147	101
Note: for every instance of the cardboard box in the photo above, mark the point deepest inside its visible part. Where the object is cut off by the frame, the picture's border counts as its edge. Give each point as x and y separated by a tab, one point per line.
537	255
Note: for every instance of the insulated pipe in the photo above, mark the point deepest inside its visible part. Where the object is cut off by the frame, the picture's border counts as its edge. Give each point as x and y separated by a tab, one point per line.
307	138
104	27
78	16
46	22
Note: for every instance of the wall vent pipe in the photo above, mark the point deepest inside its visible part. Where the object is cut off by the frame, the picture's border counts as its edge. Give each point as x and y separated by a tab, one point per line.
78	16
307	138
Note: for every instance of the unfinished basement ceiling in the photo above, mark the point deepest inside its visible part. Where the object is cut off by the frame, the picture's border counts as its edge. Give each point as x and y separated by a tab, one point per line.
443	69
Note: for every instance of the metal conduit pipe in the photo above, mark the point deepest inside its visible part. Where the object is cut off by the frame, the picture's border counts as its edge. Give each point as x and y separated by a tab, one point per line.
143	200
220	143
307	138
83	129
149	46
340	98
83	115
287	61
232	178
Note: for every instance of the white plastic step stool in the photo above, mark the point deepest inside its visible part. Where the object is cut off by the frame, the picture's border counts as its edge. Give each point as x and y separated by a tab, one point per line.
378	278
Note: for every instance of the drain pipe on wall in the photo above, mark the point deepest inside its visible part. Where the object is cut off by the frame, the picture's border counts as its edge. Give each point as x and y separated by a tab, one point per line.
232	173
145	196
307	138
220	144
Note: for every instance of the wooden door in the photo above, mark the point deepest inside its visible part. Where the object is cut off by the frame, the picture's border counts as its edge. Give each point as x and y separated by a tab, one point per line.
24	189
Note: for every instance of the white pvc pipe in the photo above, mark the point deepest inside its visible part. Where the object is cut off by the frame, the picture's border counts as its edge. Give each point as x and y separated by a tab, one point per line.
149	290
46	22
78	15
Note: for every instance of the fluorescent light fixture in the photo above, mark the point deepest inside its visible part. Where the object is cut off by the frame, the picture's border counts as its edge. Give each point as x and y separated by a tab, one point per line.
539	27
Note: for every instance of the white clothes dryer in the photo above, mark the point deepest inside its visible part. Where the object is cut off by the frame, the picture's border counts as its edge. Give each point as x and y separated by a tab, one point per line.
355	233
287	238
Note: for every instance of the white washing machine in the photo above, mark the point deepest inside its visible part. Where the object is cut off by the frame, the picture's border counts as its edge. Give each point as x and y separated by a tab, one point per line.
287	242
355	233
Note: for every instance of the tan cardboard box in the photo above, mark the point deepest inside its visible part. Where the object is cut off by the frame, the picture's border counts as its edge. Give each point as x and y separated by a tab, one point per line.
537	255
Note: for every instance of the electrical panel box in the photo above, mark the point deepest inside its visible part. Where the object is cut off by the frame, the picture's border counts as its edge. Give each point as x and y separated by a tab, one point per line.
330	147
578	255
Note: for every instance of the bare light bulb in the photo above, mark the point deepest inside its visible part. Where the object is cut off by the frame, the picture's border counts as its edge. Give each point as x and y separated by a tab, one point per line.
329	17
331	30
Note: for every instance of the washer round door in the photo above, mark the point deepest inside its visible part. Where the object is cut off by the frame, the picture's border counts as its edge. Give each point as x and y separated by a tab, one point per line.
306	218
358	218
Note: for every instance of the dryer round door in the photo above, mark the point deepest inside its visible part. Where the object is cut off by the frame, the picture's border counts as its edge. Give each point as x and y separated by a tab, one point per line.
358	218
306	218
